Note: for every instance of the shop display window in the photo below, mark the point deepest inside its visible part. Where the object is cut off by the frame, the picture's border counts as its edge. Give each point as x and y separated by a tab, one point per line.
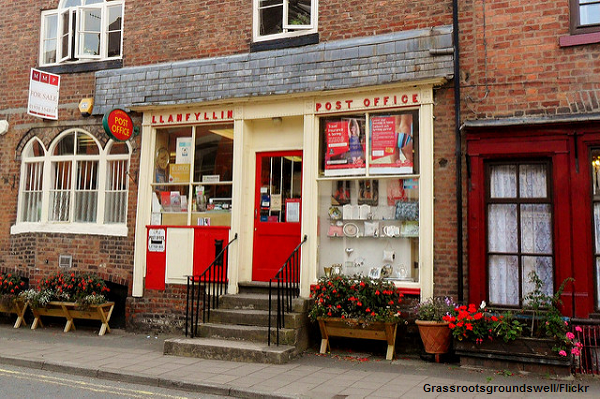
370	227
192	181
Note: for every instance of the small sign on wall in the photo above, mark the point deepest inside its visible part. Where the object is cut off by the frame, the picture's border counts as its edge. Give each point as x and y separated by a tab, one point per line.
156	240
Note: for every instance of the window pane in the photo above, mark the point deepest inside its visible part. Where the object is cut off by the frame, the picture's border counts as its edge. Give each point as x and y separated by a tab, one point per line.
119	148
65	35
504	280
35	149
66	146
536	229
116	192
50	38
532	181
597	226
89	31
502	228
589	14
271	17
114	25
60	192
299	12
86	145
542	266
503	181
32	192
86	192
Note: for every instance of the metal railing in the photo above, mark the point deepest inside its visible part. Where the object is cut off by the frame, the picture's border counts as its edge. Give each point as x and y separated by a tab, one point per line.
588	360
209	286
288	288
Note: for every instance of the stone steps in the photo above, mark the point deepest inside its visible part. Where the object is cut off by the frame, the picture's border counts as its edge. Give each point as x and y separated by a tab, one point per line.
238	330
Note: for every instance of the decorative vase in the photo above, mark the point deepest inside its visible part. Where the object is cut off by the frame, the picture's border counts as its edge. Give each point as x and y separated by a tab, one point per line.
436	337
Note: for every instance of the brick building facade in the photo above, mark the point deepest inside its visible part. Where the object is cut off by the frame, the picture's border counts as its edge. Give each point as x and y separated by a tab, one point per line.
203	58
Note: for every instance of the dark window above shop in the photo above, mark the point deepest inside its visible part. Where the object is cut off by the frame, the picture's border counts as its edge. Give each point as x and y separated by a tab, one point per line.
284	19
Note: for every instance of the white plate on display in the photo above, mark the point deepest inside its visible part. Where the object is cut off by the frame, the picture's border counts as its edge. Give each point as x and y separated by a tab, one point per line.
350	230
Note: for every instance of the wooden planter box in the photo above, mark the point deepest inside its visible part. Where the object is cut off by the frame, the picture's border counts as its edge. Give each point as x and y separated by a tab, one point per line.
18	308
71	311
523	354
338	327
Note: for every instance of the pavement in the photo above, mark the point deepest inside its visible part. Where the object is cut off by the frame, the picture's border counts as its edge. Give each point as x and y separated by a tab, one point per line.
138	358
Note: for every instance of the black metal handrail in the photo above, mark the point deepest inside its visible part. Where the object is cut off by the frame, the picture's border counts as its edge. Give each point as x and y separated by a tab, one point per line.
211	284
288	288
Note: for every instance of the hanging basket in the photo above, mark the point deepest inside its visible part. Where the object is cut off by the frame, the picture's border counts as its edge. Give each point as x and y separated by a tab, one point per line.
436	336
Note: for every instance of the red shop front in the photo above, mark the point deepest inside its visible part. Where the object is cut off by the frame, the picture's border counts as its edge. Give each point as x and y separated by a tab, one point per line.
534	206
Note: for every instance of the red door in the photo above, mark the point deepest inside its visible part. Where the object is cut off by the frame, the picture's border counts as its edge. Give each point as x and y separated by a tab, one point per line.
276	211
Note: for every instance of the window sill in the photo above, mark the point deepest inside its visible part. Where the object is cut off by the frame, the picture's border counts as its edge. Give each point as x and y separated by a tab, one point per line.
282	43
577	40
83	67
70	228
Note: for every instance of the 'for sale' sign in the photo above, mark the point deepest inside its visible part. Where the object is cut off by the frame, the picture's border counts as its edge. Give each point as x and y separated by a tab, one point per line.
43	94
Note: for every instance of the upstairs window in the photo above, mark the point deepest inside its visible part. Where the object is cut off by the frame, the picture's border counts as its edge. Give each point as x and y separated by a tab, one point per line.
274	19
585	16
82	31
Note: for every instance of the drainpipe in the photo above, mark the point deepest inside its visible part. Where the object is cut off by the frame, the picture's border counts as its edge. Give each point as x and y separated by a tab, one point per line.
458	151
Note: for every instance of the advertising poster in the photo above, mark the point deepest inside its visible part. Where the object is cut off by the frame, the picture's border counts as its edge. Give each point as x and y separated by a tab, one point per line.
345	153
392	144
43	94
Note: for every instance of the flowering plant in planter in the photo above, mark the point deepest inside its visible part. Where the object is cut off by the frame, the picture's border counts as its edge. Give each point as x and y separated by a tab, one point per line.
355	298
10	287
84	289
434	309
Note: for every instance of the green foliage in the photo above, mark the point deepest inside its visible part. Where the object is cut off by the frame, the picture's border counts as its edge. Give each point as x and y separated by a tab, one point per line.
434	309
357	297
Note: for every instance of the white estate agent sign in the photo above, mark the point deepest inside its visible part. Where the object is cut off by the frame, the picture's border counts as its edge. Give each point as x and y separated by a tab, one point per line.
43	94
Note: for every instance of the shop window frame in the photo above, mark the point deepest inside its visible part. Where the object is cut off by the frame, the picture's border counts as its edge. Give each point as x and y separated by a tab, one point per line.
291	33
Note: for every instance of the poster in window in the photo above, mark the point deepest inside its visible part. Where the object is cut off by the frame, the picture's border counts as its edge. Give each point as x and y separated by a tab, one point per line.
341	192
368	192
344	149
392	142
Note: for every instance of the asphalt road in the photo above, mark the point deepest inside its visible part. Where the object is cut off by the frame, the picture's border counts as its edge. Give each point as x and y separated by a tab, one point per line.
16	382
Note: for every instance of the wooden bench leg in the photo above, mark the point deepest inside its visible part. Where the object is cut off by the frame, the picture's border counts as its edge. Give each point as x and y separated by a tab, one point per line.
21	315
105	318
36	321
324	345
70	324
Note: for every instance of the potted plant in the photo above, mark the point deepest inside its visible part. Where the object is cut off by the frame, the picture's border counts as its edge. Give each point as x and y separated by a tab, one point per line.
11	286
356	307
433	328
72	296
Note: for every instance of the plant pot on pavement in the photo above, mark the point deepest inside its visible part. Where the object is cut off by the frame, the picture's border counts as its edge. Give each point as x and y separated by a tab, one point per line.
436	337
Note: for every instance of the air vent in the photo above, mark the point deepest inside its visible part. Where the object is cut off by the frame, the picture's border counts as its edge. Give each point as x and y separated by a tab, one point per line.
65	261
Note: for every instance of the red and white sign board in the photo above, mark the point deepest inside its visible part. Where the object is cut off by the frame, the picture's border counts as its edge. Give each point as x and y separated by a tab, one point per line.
43	94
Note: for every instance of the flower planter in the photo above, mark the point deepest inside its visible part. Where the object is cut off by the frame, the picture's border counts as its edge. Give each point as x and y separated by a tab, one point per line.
15	307
522	354
338	327
436	336
71	311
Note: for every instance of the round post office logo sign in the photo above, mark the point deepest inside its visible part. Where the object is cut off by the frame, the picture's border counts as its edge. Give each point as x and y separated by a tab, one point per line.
118	125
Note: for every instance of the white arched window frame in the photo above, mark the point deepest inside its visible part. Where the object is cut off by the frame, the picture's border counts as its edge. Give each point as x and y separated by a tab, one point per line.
74	187
82	31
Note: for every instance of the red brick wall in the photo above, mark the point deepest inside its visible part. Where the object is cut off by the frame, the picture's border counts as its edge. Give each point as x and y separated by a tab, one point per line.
518	60
162	311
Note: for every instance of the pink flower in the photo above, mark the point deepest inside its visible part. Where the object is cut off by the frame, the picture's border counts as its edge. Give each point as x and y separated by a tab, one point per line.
578	329
575	351
562	353
570	335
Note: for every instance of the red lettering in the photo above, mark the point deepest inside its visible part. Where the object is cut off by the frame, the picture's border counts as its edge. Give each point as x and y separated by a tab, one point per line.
404	99
179	117
367	102
205	117
170	118
349	102
376	101
385	100
317	107
153	118
215	115
161	119
197	115
415	98
338	105
230	114
328	106
187	117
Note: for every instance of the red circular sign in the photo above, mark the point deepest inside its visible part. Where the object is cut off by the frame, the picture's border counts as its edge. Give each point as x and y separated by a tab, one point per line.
118	125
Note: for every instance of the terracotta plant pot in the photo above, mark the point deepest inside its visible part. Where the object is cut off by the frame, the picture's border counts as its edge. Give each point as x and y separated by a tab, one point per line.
436	336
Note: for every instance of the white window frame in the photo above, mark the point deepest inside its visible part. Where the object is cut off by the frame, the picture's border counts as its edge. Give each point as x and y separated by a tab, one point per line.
74	33
288	29
99	227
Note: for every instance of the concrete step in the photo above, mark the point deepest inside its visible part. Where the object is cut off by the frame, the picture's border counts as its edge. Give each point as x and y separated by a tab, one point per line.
241	351
287	336
252	317
253	301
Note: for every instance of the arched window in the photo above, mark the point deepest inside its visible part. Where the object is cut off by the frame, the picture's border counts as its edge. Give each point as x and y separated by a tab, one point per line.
74	182
82	30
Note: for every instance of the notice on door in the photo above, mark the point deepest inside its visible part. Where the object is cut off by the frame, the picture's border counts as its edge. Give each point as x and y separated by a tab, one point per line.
156	240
